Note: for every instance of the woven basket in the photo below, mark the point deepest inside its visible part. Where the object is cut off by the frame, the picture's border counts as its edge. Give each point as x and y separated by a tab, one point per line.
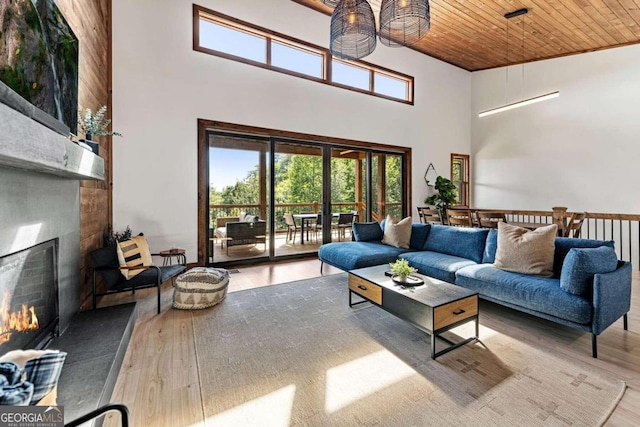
200	287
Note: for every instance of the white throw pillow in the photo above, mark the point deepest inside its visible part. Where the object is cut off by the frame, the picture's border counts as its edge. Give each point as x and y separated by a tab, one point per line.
397	233
525	251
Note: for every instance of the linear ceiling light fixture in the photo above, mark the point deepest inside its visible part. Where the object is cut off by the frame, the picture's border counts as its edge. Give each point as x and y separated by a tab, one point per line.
520	104
524	102
353	25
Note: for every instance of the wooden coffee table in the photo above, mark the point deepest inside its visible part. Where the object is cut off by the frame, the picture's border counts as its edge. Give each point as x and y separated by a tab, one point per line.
434	307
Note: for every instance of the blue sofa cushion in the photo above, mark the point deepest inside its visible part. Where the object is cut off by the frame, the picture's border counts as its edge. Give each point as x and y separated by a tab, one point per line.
350	255
419	233
367	232
565	244
489	255
581	264
536	293
457	241
435	264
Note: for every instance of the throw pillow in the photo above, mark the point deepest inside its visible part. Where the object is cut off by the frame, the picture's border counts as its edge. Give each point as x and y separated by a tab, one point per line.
397	233
524	251
134	253
21	357
419	233
367	232
580	265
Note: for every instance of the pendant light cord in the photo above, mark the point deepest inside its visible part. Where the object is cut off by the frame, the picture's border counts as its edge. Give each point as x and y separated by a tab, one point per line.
506	87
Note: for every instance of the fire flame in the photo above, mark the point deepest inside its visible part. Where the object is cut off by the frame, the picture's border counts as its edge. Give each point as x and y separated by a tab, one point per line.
15	321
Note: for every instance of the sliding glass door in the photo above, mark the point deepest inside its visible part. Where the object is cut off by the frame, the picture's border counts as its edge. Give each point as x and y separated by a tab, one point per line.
271	198
239	214
298	181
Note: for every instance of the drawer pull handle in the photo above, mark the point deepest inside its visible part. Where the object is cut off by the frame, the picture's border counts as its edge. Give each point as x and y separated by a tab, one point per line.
457	312
364	288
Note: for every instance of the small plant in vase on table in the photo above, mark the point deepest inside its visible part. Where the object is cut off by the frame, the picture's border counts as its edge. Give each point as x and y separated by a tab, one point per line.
94	125
401	270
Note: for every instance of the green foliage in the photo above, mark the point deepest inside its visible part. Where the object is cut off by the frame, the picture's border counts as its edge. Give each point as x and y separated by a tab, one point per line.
445	196
32	19
16	80
70	53
95	123
298	179
110	238
402	268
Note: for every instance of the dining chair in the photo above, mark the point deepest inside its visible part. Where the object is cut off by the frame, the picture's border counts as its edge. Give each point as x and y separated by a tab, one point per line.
459	217
575	224
317	225
345	222
308	222
490	219
429	215
292	228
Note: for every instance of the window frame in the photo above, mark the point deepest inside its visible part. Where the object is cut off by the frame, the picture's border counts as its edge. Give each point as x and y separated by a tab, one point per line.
465	159
214	17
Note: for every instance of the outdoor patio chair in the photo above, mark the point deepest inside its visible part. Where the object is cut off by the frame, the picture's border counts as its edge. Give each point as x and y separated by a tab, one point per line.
345	222
317	225
292	228
246	233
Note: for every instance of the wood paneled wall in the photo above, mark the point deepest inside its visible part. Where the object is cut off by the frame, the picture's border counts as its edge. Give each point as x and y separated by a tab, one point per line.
91	22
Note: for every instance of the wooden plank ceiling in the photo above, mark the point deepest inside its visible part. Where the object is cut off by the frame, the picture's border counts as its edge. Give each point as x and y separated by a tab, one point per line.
472	34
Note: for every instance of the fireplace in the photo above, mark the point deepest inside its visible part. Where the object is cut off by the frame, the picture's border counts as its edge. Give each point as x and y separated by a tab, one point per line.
29	313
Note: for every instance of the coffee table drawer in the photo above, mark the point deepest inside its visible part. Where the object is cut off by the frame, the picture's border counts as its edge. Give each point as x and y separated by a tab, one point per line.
455	311
366	289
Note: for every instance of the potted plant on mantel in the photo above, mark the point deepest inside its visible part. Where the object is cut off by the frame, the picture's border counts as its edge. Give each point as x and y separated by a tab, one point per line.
94	125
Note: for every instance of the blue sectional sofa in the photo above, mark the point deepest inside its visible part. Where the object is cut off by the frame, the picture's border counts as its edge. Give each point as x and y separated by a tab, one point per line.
589	291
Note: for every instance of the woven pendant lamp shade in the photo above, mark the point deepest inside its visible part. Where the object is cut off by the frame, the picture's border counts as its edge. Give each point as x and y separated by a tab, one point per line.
353	30
331	3
404	22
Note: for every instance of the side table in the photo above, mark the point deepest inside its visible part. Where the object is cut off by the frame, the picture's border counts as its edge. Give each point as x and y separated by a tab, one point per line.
169	254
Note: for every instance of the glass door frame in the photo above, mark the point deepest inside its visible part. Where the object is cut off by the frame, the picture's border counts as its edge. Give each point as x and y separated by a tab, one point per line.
211	133
207	128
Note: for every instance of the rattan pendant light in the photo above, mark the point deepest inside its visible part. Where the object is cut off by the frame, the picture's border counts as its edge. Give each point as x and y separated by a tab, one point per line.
353	29
404	22
331	3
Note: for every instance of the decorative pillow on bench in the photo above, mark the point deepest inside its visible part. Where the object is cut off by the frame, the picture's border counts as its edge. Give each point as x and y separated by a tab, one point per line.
581	264
524	251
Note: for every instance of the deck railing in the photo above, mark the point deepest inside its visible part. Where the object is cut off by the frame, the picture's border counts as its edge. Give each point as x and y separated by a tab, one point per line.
623	229
232	210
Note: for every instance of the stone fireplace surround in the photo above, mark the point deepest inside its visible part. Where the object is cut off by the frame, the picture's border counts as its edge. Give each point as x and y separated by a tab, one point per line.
39	201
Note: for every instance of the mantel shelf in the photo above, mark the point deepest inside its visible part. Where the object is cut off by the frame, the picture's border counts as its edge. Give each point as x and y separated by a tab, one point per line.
26	144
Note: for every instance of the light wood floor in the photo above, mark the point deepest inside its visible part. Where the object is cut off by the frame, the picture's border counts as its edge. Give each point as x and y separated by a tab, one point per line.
158	380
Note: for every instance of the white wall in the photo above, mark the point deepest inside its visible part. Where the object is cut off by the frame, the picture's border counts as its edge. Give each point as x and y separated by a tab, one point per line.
580	150
161	87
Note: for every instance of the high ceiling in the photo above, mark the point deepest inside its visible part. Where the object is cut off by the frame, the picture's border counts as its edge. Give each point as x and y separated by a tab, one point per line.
472	34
